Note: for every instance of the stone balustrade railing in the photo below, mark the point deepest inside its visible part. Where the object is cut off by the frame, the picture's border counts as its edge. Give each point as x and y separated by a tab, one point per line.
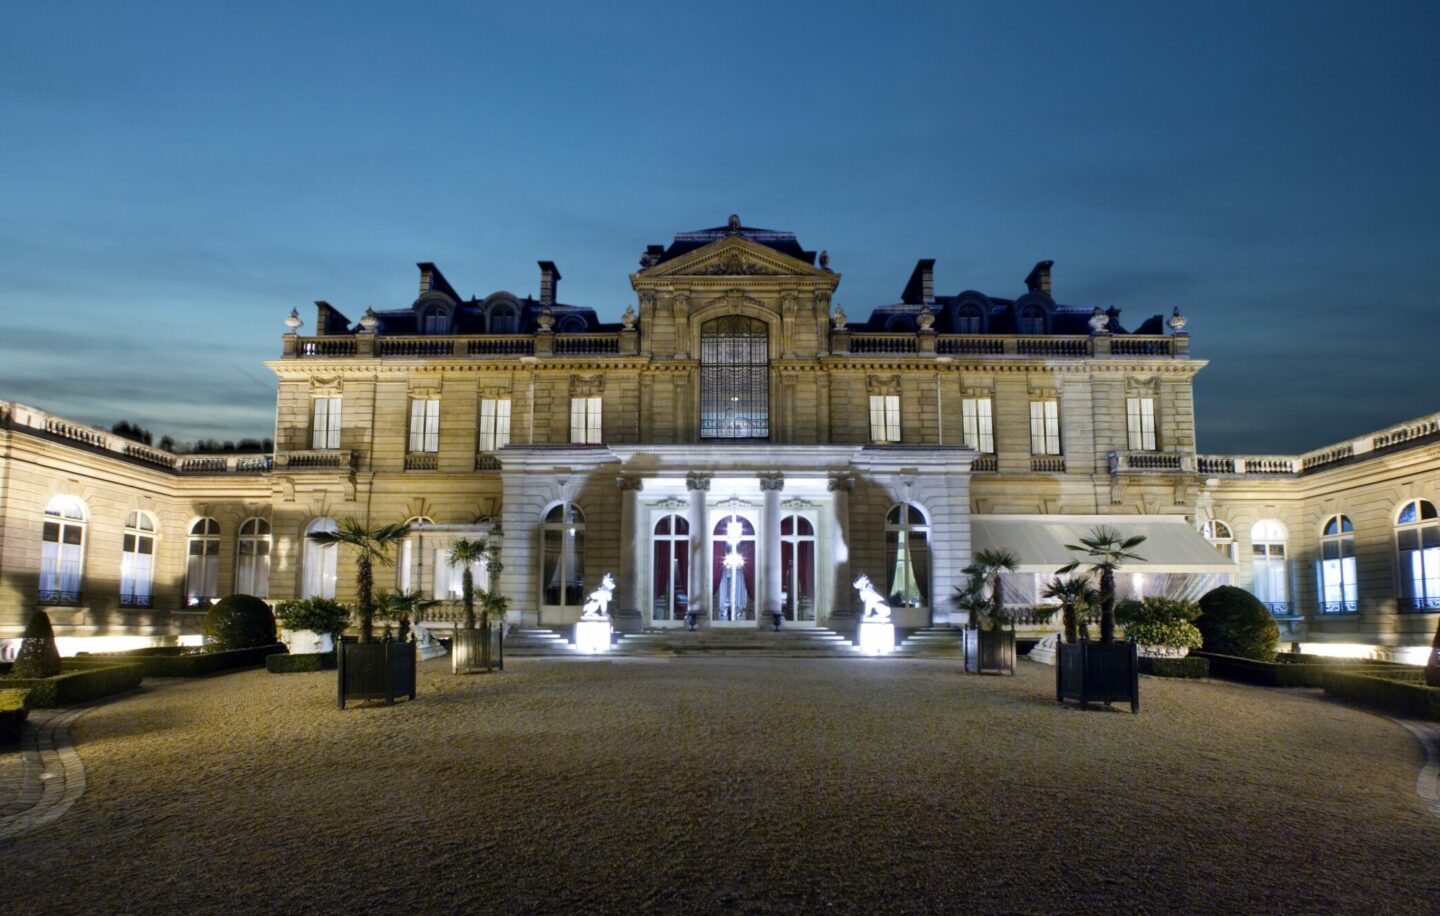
316	460
542	343
1150	462
1403	434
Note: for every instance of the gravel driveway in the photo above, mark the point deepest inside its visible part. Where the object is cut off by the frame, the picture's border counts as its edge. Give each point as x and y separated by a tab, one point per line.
744	785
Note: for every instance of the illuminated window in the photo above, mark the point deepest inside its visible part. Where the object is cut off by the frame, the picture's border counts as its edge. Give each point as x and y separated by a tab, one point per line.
252	558
408	560
907	556
319	563
670	568
325	430
1045	427
884	418
424	424
979	425
735	378
1417	542
1220	536
562	567
1267	562
137	561
62	551
797	567
494	423
1337	566
1140	422
202	562
585	421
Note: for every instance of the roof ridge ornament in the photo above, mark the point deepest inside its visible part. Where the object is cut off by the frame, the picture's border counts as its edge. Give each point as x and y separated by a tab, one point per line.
733	223
1178	321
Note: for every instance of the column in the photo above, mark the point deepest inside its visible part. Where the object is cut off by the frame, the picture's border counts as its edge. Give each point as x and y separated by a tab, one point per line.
770	541
699	593
844	591
627	615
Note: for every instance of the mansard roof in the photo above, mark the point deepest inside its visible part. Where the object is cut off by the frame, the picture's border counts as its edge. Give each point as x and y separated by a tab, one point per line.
686	242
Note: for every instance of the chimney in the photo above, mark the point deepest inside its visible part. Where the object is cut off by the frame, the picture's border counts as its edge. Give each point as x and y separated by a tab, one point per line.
921	288
1038	281
549	279
432	279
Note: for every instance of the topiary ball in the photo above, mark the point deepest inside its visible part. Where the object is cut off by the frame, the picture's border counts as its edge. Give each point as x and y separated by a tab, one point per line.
239	622
38	655
1234	622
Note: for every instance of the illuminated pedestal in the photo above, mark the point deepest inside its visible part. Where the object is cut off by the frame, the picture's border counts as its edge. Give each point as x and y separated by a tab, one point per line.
876	637
592	636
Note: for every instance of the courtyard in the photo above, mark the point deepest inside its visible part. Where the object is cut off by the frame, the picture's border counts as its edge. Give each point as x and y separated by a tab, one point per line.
740	784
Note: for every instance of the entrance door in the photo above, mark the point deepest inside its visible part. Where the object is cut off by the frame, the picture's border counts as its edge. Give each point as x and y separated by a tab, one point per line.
669	569
732	569
797	568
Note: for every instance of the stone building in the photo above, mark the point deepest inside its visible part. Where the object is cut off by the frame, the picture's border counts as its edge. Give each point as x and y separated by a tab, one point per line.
734	447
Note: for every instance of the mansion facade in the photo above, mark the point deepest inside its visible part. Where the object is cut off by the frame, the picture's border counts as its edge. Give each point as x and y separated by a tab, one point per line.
734	447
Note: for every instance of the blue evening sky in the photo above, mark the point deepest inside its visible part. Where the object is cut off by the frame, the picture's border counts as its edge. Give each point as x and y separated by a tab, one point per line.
175	177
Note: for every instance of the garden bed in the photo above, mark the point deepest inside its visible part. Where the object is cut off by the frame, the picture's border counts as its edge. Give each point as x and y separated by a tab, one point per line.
305	661
14	707
79	681
1402	697
192	663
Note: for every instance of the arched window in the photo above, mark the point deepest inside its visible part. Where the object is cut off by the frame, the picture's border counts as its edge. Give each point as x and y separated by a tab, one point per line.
435	320
968	320
62	551
504	319
1337	566
1269	573
899	323
734	378
571	324
137	561
252	558
670	568
1032	320
409	560
563	557
1417	540
202	562
732	568
907	556
319	565
797	567
1220	536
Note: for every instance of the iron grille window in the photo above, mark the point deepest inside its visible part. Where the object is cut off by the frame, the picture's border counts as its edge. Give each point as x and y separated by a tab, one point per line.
734	379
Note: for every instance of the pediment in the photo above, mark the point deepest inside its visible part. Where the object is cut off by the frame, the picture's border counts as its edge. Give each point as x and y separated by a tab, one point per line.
733	257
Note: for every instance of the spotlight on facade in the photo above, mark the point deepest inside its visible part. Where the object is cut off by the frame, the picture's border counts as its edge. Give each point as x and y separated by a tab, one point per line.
592	636
876	637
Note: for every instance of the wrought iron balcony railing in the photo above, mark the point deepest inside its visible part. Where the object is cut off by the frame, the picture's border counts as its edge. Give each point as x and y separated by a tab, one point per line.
140	601
1420	603
1338	607
57	596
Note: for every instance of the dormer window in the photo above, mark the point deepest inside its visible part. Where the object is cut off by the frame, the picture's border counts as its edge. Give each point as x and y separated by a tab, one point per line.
1032	320
967	320
571	324
434	321
504	319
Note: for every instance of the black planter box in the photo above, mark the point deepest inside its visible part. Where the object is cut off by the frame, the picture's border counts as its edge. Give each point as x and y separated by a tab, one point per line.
476	650
1088	672
375	671
990	650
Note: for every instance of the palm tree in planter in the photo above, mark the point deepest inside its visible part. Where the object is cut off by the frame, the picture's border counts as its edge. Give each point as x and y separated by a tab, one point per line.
370	670
472	646
1076	597
988	644
1104	672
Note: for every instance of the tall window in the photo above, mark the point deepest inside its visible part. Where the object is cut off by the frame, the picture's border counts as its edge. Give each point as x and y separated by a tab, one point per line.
202	562
435	321
967	320
408	558
424	424
1032	320
252	558
325	431
1140	422
1337	566
907	556
585	421
1045	427
1220	536
1417	540
797	567
732	568
884	418
62	551
137	561
319	564
734	378
1270	576
494	423
562	569
670	568
979	424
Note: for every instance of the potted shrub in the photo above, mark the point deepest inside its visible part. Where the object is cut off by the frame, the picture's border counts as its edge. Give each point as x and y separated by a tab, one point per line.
989	644
1077	598
1234	622
474	647
1104	672
310	626
370	670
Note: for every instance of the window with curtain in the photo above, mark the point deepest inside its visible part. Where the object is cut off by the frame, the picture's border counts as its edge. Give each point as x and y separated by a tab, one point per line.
670	568
494	424
62	551
585	421
1337	566
732	568
137	561
884	418
1268	565
424	424
252	558
408	561
978	423
907	556
797	567
318	570
1140	423
1417	545
325	430
562	566
1045	427
202	562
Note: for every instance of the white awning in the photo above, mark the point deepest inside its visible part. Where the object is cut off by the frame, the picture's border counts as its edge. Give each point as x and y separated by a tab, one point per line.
1171	545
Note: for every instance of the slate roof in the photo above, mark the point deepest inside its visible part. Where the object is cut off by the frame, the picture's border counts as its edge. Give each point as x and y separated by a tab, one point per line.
686	242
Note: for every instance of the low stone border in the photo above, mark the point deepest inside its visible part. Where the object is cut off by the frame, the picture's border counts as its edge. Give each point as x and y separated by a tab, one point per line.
1427	784
51	777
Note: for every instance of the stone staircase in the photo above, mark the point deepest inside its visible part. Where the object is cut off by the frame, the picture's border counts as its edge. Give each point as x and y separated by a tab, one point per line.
526	641
788	642
933	642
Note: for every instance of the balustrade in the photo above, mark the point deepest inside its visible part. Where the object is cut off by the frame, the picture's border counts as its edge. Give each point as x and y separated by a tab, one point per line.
587	344
421	462
1053	464
969	345
1122	462
983	464
882	343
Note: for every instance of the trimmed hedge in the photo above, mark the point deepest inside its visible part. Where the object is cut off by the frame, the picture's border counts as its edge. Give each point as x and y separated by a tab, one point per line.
238	622
308	661
1414	700
77	683
194	664
14	707
1190	666
1308	671
1234	622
